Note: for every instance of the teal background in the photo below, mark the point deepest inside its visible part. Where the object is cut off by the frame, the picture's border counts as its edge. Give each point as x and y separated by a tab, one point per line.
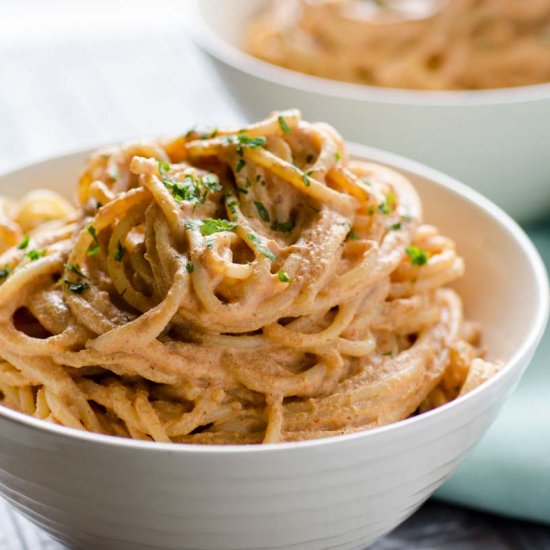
509	471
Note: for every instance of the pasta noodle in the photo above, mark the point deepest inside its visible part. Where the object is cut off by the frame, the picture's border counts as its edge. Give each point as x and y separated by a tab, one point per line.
231	287
418	44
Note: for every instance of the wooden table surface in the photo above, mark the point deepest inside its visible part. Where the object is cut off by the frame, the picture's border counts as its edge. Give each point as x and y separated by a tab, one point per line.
75	75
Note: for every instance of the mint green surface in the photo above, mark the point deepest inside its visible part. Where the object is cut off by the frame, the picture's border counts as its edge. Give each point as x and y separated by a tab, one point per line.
509	471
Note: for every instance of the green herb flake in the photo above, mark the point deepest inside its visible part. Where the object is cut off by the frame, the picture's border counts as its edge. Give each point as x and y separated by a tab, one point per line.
76	288
190	267
210	226
370	210
120	251
262	249
388	353
353	235
284	227
98	205
395	226
418	256
283	277
305	178
92	251
262	211
240	165
384	207
92	232
252	142
242	190
209	134
190	132
337	156
164	168
4	272
75	269
24	243
34	255
211	182
283	125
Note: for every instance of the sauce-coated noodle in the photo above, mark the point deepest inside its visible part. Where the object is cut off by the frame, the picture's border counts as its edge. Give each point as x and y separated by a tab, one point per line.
419	44
231	287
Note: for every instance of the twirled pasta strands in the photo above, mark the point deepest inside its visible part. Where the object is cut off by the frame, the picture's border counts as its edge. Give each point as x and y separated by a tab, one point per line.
231	287
428	45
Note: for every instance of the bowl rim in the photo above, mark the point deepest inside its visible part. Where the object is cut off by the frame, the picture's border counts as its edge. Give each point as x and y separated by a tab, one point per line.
399	163
208	40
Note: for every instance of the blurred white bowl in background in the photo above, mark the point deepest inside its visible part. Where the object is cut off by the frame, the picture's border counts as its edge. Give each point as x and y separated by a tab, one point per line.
95	491
497	141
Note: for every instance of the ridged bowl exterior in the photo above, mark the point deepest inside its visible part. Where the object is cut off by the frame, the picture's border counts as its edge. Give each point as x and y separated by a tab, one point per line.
93	491
343	495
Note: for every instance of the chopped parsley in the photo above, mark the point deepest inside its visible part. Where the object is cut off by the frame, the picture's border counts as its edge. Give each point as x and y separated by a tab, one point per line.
75	269
210	226
353	235
164	168
388	353
370	210
240	165
337	155
252	142
231	203
395	226
192	189
283	125
283	277
262	249
92	251
211	182
284	227
417	255
76	288
35	254
209	134
305	178
120	251
386	206
242	190
24	243
246	141
4	272
98	205
190	132
262	211
190	267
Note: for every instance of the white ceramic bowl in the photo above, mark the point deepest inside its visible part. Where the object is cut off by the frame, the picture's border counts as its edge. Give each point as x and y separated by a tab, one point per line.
95	491
494	140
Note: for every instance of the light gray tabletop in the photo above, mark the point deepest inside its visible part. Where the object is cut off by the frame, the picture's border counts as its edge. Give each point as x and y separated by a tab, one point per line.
77	74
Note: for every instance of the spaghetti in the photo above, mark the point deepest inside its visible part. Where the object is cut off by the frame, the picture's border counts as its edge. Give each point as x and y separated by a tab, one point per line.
426	44
231	287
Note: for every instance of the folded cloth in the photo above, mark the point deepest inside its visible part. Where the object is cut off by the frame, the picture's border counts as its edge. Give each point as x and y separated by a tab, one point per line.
509	471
